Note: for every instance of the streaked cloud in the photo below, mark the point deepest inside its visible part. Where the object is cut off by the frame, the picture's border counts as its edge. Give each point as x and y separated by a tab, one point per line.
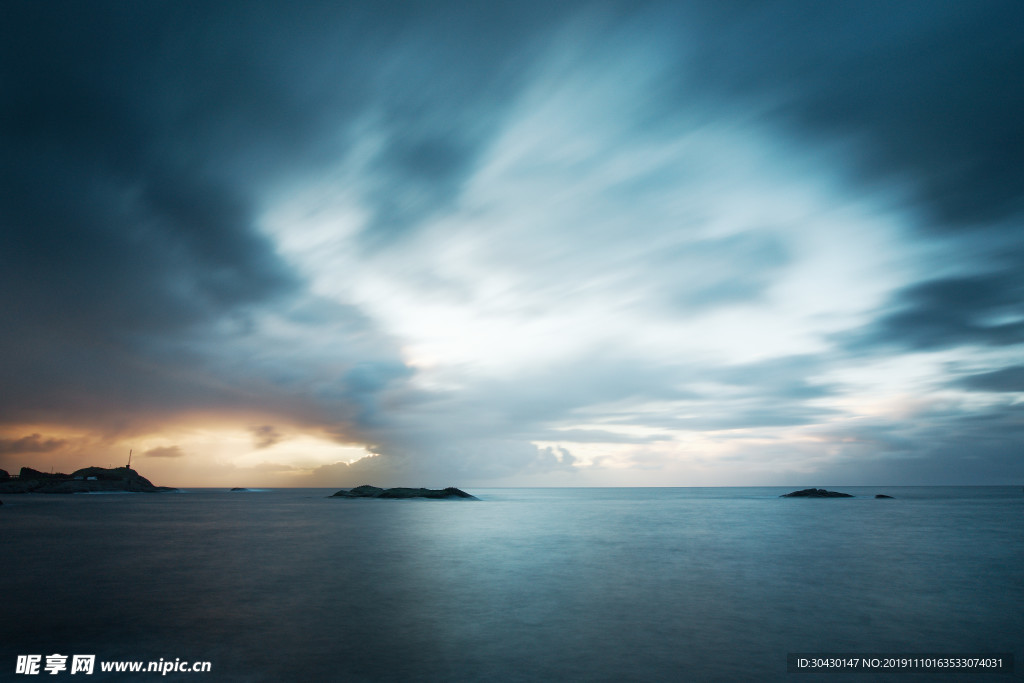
712	242
34	443
164	452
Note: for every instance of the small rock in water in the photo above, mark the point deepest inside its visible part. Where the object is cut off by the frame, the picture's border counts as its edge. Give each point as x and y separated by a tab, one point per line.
815	493
366	491
882	495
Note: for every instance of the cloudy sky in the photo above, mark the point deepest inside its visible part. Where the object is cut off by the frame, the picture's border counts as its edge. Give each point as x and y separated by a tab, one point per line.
514	243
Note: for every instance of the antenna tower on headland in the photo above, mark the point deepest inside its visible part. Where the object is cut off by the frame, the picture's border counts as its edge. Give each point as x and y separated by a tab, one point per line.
129	459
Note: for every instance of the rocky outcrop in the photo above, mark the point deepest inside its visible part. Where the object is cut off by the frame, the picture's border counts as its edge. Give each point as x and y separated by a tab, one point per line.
86	480
815	493
29	473
882	495
366	491
4	475
239	488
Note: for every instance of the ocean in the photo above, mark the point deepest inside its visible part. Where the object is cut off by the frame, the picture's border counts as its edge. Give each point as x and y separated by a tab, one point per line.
584	584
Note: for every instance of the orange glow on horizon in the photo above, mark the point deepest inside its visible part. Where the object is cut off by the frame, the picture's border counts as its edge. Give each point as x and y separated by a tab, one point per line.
203	453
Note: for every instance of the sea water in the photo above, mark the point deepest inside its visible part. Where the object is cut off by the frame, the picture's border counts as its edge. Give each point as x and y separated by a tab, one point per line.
626	584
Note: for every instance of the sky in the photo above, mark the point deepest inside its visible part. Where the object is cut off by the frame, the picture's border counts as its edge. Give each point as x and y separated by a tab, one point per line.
705	243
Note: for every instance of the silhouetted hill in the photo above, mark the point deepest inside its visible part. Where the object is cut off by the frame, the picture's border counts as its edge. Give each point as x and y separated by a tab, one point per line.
86	480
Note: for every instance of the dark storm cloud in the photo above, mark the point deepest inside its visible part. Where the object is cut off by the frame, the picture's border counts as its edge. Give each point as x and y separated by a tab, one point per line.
983	310
418	176
1009	379
366	382
928	94
137	140
34	443
121	227
265	436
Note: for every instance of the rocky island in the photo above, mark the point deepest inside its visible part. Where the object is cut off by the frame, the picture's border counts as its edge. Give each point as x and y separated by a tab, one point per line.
366	491
815	493
85	480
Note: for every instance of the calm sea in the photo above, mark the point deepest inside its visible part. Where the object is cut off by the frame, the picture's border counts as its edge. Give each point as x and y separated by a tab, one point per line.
631	584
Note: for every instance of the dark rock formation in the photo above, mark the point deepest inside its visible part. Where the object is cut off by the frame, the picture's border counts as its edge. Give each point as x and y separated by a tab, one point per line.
29	473
86	480
449	492
4	476
882	495
366	491
815	493
239	488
